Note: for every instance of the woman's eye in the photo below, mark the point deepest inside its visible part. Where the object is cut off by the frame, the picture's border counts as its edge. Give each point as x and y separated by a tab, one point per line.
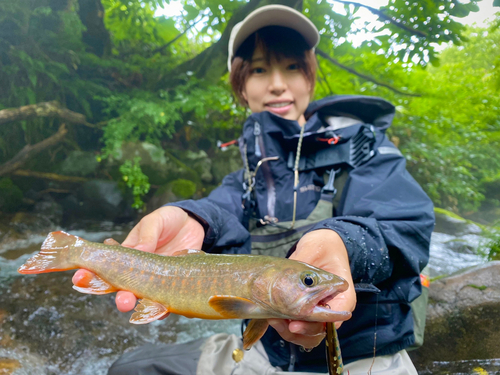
258	70
293	67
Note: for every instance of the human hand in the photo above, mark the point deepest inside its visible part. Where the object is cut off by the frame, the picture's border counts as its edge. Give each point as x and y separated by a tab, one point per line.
163	232
324	249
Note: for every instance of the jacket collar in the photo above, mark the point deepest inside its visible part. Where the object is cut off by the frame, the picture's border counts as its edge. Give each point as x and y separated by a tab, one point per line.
370	110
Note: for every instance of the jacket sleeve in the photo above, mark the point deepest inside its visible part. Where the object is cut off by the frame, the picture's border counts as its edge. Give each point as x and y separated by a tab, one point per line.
385	220
221	215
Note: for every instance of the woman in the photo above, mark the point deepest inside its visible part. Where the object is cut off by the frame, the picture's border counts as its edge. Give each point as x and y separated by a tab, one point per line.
374	231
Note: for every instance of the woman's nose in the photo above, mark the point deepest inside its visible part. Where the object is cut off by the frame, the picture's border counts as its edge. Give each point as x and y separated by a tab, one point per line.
278	82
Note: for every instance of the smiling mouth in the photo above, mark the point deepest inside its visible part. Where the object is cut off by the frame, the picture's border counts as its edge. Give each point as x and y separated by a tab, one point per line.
278	105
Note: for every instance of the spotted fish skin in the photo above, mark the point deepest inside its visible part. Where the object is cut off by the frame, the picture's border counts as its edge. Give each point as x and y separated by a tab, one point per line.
195	284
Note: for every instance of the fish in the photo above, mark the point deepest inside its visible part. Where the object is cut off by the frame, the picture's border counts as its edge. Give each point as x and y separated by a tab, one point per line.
195	284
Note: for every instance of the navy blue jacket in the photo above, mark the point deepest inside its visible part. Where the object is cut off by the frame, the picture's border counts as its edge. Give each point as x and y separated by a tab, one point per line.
384	218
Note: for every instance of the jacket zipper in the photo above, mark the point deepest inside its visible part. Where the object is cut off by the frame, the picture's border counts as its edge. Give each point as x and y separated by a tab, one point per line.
266	170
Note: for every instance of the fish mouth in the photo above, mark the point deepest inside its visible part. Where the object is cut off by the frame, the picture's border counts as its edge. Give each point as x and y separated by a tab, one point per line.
316	307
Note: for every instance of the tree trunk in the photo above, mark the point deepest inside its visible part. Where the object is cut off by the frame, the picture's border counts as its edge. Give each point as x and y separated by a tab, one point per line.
91	13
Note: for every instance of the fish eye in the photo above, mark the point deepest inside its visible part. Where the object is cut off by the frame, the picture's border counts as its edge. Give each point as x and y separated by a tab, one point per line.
309	279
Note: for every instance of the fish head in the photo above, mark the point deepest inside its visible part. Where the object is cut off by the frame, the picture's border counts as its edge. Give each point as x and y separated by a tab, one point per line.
300	291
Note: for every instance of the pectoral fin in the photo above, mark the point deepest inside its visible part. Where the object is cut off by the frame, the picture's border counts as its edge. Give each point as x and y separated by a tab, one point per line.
254	331
148	311
231	307
93	284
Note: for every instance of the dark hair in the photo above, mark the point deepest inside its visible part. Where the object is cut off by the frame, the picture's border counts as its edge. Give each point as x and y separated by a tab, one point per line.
277	42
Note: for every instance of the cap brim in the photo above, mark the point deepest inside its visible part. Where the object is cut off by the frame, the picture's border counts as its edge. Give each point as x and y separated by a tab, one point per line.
272	15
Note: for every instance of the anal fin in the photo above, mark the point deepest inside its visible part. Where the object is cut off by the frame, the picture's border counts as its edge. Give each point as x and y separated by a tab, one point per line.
148	311
254	331
93	284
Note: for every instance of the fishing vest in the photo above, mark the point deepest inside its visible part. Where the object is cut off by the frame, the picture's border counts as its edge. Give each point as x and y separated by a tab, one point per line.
278	240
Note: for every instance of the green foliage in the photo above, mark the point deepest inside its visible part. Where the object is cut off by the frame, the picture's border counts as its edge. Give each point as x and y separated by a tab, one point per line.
183	188
135	179
494	246
490	248
449	133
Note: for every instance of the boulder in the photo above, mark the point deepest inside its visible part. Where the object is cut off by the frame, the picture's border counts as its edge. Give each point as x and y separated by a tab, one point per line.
463	317
79	163
98	200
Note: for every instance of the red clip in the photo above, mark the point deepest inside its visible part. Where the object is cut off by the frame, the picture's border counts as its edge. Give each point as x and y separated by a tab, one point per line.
223	146
331	141
425	280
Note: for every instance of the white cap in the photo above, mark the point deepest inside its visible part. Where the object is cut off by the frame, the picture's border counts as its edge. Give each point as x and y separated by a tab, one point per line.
271	15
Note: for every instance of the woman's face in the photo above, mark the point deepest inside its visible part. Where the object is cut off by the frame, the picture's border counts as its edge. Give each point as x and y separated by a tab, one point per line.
278	87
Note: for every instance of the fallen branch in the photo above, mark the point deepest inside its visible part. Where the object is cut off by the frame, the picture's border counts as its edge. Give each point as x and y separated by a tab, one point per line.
50	176
30	150
361	75
45	109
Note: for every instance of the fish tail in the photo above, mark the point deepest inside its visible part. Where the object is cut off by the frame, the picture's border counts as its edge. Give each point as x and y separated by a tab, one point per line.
53	256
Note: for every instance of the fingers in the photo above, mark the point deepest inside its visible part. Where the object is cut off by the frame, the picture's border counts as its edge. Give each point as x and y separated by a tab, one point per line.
143	240
306	334
125	301
166	230
82	277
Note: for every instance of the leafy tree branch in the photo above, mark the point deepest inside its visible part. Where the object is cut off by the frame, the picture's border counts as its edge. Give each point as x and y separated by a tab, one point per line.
385	17
361	75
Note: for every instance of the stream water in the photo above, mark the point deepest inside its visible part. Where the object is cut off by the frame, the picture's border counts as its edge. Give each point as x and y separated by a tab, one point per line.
48	328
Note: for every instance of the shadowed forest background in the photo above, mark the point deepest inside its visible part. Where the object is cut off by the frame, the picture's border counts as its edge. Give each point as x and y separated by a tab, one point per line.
107	90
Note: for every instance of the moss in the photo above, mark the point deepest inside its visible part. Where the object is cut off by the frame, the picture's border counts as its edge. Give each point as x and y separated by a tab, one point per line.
183	188
11	197
453	215
479	287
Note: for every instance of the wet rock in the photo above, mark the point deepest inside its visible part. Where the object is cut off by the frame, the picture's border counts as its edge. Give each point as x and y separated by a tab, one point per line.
450	223
463	317
49	209
201	163
225	162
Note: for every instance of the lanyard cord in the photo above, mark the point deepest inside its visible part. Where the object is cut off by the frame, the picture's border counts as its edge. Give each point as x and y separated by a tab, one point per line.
296	174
